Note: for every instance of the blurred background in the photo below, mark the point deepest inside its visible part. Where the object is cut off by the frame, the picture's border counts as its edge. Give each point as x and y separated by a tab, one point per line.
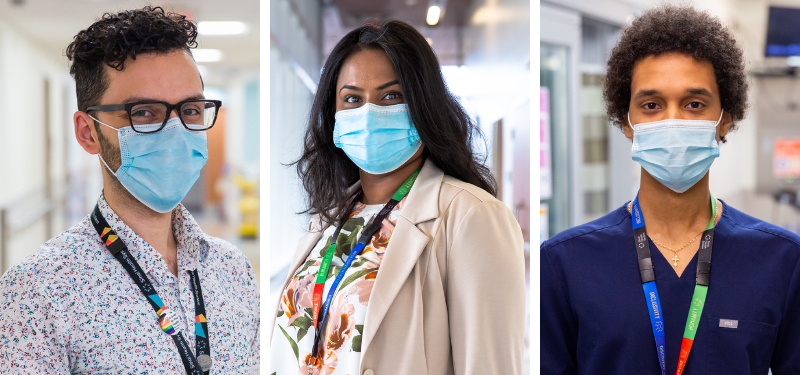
49	183
586	167
484	49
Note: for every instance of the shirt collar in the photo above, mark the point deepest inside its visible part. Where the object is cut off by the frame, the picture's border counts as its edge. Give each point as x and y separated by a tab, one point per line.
192	246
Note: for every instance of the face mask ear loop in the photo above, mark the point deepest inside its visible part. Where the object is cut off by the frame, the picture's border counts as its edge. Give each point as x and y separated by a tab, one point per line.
107	167
112	128
98	155
629	120
720	117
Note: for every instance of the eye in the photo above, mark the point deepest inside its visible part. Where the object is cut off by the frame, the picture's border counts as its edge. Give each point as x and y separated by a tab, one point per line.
142	113
650	106
392	96
351	99
191	112
695	105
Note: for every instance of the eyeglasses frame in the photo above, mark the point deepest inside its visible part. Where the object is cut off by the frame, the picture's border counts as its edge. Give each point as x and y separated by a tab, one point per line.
170	108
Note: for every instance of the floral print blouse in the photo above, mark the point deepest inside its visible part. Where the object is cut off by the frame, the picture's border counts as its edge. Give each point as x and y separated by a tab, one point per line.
293	338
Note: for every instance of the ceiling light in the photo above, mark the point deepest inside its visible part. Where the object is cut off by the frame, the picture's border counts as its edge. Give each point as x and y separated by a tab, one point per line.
221	27
206	55
433	15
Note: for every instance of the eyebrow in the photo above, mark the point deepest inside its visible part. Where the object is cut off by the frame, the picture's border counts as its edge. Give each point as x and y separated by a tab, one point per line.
138	99
387	84
692	90
381	87
647	92
699	91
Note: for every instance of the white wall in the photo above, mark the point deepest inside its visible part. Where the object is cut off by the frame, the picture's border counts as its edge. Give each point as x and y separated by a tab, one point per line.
295	61
24	68
497	58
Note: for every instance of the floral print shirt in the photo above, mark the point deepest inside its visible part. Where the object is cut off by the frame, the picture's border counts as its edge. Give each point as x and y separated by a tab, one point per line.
71	308
293	337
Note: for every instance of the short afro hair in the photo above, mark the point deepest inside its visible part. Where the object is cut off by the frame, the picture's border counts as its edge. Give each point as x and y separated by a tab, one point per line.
116	37
682	29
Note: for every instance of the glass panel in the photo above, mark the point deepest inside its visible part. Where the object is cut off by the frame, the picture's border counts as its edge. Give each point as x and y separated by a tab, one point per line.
553	76
597	39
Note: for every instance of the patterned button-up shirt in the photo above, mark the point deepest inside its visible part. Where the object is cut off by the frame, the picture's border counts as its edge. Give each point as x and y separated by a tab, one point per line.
71	307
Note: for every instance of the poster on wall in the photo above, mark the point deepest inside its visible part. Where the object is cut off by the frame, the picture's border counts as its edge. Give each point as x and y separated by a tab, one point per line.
545	170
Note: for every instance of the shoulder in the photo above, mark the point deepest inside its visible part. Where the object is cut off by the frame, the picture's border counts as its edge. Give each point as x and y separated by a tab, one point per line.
224	253
610	227
53	265
228	263
748	226
469	215
456	193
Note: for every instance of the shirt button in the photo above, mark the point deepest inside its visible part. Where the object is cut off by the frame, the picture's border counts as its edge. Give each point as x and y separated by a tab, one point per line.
369	372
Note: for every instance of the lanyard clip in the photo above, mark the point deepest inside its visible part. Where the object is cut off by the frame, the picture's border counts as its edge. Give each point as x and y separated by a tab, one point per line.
646	270
703	273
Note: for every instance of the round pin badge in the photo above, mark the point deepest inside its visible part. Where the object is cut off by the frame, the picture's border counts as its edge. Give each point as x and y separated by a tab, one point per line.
168	322
205	362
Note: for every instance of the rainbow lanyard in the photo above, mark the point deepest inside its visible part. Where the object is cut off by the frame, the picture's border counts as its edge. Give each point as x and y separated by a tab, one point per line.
648	277
199	365
366	234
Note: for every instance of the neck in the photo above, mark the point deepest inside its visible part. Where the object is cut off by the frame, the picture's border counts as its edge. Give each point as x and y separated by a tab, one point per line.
378	189
153	227
674	213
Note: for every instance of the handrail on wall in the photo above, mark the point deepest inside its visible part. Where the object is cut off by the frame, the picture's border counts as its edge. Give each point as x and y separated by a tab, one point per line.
10	227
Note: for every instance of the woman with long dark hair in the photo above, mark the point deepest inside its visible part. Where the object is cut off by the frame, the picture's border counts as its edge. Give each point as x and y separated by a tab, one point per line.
410	264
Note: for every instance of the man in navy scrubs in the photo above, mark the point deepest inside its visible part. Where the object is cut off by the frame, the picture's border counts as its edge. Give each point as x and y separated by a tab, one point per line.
676	281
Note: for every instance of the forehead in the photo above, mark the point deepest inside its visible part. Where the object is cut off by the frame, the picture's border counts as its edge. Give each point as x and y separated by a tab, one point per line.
170	77
673	73
365	68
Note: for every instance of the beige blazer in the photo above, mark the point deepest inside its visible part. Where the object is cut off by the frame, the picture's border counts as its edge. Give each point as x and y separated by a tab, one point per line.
449	297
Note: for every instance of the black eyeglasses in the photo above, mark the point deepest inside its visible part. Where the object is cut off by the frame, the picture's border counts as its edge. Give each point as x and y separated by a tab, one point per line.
150	117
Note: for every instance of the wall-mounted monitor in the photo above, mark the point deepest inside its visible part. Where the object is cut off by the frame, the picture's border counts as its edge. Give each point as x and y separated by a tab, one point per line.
783	32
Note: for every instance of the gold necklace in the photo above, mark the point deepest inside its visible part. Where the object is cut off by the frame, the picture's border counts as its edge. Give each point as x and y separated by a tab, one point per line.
675	259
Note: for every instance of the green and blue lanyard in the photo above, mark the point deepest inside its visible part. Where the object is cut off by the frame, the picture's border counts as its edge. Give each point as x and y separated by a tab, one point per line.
200	365
321	312
648	278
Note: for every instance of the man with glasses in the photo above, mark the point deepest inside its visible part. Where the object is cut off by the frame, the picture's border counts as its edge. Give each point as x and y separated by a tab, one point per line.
136	287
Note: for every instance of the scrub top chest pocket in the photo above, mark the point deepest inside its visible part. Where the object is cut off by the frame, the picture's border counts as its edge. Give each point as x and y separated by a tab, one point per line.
742	344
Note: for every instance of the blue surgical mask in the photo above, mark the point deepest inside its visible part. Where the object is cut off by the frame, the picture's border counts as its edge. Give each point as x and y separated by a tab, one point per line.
159	168
676	152
379	139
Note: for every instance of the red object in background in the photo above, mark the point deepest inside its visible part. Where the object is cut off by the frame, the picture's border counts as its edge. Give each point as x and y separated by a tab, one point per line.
786	158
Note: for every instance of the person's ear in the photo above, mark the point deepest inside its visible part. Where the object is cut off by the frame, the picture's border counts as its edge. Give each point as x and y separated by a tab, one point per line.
627	128
724	125
85	132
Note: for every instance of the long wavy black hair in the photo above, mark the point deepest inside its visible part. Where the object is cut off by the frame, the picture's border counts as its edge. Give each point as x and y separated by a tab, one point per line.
442	124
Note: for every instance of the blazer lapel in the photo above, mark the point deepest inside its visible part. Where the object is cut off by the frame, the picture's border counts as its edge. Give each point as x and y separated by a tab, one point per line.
405	246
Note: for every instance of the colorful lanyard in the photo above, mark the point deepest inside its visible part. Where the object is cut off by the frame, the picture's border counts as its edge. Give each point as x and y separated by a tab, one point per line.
194	366
648	277
366	234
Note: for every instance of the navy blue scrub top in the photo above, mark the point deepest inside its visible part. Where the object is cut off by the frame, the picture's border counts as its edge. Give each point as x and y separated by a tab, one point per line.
594	319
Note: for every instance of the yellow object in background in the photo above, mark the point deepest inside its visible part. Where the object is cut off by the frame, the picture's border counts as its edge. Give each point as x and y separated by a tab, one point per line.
248	206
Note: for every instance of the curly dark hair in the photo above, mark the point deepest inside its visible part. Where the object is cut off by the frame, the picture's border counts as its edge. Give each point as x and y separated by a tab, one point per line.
443	125
671	28
116	37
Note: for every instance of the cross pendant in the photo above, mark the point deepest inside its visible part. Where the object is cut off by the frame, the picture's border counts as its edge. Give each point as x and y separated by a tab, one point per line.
675	260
